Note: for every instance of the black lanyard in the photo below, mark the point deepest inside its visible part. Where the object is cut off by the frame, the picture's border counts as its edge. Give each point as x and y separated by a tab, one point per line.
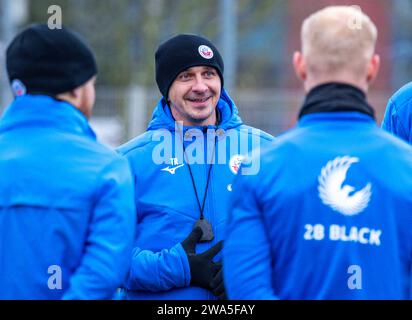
201	207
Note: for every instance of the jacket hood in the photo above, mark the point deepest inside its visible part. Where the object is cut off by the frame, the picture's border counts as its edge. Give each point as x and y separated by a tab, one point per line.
229	115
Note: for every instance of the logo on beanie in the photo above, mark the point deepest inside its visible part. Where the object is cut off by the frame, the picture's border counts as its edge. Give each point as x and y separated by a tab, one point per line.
18	88
206	52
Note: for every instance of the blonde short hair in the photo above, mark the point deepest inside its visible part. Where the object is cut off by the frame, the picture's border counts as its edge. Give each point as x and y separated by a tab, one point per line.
338	39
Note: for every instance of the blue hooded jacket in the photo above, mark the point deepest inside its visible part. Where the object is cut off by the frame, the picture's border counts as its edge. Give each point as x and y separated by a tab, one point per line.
165	199
67	215
330	215
398	114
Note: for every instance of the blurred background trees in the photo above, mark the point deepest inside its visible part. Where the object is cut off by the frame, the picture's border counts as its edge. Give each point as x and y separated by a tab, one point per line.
126	33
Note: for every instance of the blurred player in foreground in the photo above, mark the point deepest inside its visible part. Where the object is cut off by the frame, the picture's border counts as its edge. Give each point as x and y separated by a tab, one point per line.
329	215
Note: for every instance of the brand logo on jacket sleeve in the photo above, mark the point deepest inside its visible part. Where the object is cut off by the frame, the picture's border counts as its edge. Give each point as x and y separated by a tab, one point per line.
342	198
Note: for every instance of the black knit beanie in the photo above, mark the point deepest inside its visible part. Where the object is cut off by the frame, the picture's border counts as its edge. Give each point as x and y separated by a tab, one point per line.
183	52
45	61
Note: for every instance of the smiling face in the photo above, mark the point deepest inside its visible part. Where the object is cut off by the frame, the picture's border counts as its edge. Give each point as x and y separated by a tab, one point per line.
193	96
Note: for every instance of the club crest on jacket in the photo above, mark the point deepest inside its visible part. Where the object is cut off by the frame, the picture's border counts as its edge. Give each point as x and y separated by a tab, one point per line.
235	162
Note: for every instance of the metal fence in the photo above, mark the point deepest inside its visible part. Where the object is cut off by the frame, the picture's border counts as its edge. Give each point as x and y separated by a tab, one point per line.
122	113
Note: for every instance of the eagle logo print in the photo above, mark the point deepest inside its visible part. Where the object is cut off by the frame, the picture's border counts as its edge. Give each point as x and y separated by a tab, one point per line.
340	197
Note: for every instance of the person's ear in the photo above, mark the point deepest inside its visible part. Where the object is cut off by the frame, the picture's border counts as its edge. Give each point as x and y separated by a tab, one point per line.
373	68
299	65
76	93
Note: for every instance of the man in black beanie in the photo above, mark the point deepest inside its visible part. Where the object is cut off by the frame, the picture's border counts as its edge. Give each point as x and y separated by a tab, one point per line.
55	63
66	201
182	193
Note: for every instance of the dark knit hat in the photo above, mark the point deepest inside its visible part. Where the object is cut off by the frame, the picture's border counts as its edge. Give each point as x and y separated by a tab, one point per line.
45	61
183	52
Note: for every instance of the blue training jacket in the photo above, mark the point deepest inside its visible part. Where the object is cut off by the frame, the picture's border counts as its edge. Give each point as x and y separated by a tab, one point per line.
165	199
398	114
328	216
67	215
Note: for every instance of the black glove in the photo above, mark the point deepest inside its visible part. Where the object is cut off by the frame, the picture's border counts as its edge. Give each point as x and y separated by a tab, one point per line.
217	284
202	268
